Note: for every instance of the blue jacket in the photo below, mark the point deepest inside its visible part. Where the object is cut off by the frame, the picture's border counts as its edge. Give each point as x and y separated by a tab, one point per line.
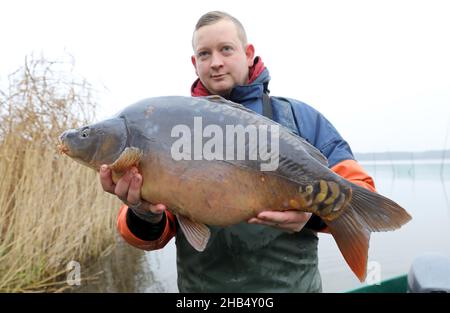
301	118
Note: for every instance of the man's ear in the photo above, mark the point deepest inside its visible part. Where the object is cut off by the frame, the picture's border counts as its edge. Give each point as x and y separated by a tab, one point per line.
250	53
194	62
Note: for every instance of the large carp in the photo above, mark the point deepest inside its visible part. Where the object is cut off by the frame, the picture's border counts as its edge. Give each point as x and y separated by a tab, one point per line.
222	181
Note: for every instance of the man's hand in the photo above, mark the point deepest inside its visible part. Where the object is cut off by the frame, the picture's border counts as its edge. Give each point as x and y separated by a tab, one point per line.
290	221
128	189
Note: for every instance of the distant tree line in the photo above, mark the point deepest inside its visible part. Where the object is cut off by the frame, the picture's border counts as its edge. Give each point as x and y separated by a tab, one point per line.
403	155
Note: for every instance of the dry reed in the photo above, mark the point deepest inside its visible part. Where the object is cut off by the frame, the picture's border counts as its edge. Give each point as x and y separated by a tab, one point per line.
52	210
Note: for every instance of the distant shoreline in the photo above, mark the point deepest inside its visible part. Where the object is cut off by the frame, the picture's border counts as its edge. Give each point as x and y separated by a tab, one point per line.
403	155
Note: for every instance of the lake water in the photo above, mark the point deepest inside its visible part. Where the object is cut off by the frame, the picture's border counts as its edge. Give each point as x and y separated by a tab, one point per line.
421	187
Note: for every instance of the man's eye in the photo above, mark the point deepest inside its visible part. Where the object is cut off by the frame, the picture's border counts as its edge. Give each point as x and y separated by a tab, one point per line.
202	54
227	49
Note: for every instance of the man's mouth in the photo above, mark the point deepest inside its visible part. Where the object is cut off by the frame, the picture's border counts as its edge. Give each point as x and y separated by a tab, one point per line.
219	76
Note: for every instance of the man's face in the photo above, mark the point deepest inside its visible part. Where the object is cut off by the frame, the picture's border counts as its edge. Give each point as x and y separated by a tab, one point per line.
220	60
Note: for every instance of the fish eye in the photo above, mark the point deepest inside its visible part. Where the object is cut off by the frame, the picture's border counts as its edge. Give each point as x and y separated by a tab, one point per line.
85	133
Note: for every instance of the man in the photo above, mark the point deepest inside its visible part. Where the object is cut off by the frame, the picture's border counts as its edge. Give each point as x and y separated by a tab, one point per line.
247	257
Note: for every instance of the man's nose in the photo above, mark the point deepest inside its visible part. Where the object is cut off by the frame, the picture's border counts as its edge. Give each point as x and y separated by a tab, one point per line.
216	60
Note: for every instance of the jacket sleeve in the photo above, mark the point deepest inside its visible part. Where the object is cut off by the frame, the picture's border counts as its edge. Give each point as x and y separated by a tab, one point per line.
353	172
167	226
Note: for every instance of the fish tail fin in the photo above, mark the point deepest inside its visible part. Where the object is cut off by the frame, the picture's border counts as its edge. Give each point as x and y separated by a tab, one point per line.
367	212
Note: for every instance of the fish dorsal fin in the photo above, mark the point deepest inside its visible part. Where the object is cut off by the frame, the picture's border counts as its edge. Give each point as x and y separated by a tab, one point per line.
289	135
286	134
197	234
302	143
316	154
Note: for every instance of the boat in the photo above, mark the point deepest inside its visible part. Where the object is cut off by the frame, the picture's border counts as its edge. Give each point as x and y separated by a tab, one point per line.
429	273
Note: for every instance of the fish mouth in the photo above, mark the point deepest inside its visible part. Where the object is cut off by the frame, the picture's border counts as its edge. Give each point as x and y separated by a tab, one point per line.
62	146
63	149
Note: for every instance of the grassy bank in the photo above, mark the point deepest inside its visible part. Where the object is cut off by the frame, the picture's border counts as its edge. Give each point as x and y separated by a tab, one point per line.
52	210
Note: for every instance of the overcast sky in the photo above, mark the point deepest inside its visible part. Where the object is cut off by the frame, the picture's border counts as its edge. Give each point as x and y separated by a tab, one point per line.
378	70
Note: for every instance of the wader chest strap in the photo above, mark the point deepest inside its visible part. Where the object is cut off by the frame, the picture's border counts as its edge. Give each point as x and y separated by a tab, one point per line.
267	106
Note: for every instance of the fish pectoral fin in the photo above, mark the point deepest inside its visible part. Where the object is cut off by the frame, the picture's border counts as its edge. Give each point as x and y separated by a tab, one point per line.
131	156
197	234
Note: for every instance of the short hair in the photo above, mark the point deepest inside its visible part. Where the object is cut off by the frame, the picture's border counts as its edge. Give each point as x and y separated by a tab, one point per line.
213	17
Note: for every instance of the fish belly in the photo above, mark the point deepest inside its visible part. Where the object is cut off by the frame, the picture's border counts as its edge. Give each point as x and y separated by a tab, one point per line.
217	192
